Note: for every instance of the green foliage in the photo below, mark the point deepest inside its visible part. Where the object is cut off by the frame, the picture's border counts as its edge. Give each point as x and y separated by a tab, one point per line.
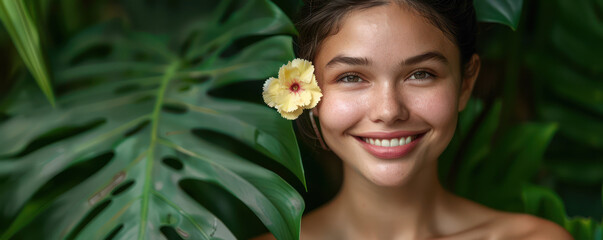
154	136
506	12
543	202
135	130
23	30
493	170
550	67
497	170
567	80
566	75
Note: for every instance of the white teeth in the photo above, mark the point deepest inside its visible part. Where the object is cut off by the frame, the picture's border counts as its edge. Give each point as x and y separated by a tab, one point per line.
394	142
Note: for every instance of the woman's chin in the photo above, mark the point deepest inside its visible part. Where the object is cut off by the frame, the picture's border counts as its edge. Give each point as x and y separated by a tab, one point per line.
393	174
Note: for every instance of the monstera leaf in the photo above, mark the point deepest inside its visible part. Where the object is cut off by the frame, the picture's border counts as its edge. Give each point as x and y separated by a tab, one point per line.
131	112
505	12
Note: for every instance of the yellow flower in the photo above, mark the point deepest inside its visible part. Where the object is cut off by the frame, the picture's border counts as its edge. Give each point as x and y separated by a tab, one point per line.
294	90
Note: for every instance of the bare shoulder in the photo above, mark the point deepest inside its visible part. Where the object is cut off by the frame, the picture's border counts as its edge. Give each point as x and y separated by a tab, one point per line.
488	223
524	226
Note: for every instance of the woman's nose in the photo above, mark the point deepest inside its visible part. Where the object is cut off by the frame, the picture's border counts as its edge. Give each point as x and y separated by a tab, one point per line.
387	105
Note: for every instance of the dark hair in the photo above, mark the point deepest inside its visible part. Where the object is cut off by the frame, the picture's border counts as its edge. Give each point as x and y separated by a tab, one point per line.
320	19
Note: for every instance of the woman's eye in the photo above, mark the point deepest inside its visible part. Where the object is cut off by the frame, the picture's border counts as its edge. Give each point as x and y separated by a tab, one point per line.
350	79
420	75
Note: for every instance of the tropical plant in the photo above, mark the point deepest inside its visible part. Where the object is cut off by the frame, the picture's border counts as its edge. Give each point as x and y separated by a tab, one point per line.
498	171
136	127
156	131
514	159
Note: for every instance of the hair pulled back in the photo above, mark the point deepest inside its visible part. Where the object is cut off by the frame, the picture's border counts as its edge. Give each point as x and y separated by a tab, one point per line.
322	18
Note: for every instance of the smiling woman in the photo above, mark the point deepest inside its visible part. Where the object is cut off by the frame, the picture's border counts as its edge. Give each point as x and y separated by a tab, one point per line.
394	76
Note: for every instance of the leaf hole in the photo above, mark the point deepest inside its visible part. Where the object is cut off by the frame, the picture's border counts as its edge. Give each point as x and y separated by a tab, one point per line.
88	218
127	89
122	188
237	217
74	85
58	134
174	108
240	91
114	232
242	43
173	163
199	79
144	99
243	150
137	128
72	176
170	233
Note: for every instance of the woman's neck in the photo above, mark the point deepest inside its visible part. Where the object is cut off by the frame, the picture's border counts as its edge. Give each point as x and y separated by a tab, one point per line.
404	212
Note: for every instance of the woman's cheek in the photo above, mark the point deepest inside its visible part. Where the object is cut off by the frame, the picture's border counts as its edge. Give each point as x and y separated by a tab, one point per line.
340	111
438	107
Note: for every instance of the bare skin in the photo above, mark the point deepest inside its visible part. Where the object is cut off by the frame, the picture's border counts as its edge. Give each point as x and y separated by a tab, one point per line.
447	217
384	91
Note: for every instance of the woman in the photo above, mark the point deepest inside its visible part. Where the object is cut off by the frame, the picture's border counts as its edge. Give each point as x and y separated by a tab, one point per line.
394	75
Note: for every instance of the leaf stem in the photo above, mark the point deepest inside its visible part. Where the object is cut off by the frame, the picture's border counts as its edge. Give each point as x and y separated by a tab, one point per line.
150	157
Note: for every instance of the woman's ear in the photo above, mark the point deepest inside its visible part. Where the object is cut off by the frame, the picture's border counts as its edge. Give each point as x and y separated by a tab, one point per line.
469	77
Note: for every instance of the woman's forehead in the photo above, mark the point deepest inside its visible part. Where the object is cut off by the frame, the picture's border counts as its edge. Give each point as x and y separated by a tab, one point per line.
386	33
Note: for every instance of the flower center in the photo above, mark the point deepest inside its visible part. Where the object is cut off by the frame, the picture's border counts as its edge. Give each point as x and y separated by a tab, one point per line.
294	87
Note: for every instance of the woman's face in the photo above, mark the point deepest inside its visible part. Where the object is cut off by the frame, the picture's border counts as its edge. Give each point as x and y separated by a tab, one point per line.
388	75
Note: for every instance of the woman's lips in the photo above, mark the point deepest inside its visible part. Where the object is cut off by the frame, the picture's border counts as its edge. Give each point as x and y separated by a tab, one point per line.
389	152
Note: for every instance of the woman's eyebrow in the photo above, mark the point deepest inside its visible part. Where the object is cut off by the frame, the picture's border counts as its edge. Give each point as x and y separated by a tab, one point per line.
340	59
435	55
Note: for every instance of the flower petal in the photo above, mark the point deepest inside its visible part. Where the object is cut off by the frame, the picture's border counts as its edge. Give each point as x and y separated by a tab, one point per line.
304	98
285	101
278	94
288	73
315	99
282	71
306	71
267	93
292	115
